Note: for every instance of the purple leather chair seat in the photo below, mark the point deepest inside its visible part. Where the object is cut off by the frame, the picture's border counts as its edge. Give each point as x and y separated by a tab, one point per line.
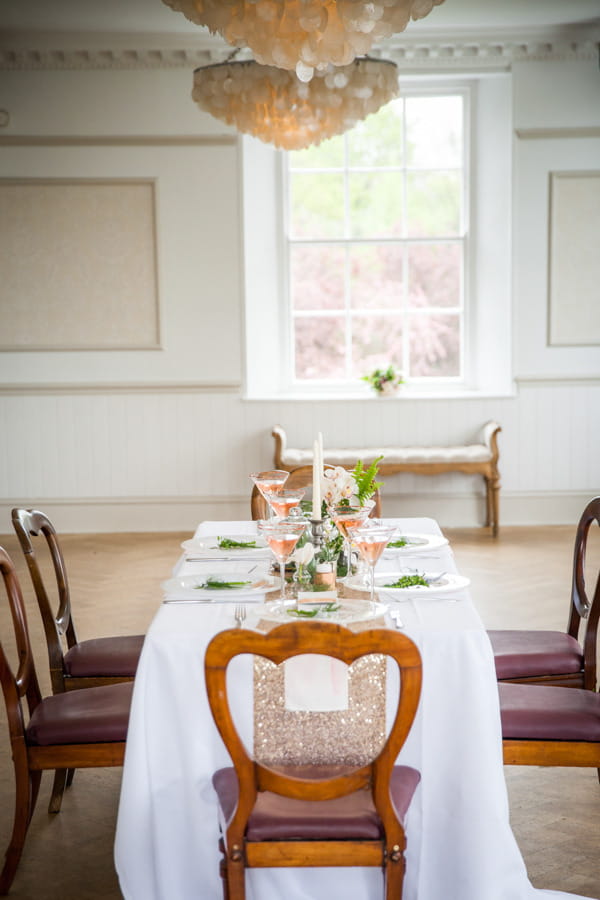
351	817
105	656
93	715
519	654
540	712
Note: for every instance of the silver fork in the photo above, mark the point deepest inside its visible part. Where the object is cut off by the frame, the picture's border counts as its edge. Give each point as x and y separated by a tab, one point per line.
239	614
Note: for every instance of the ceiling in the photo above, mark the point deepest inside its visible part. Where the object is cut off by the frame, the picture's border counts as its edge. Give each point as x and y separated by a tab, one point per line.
152	16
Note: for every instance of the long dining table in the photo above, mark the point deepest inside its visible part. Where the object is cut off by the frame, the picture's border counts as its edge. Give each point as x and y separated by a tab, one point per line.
459	842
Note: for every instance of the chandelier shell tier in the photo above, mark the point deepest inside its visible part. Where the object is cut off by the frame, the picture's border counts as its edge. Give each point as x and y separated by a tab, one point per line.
304	35
275	106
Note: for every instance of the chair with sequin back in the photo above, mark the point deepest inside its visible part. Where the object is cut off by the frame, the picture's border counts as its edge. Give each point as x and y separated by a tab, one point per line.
313	814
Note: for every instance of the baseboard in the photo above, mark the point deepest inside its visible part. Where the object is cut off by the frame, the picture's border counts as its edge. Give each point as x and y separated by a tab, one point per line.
120	514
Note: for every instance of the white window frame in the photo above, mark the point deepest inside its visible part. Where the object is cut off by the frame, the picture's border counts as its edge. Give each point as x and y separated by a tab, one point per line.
430	88
487	272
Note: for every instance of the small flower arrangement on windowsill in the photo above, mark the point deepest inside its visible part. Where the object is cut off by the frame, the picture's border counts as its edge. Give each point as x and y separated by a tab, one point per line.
385	382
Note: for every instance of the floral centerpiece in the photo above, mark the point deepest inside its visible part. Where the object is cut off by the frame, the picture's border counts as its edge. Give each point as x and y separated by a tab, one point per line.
385	382
339	487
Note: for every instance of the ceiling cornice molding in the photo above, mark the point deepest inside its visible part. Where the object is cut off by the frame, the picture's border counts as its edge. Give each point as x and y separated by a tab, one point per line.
428	49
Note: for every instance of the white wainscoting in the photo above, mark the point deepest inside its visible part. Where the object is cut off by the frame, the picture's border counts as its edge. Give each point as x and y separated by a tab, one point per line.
138	459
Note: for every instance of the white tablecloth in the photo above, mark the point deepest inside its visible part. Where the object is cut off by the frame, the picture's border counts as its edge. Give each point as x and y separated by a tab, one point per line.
460	845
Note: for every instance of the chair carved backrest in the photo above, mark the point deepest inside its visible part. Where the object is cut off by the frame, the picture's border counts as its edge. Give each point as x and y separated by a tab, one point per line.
581	605
301	476
28	524
328	639
24	682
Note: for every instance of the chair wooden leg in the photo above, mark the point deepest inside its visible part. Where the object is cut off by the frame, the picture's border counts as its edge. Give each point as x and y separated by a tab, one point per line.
236	880
70	777
36	778
223	869
26	789
394	878
58	789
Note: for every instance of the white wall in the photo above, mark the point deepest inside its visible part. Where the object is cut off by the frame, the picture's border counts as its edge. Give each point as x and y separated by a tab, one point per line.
156	440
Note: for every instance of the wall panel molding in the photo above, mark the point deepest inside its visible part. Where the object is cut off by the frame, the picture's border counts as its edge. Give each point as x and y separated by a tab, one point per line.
566	133
60	389
80	264
117	140
536	381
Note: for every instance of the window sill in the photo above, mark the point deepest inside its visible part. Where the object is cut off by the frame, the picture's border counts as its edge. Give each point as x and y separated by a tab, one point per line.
403	395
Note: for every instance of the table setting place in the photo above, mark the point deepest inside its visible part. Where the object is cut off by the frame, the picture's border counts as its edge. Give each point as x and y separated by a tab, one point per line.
230	565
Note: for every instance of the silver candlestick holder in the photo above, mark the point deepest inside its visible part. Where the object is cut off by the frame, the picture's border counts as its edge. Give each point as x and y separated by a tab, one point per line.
317	533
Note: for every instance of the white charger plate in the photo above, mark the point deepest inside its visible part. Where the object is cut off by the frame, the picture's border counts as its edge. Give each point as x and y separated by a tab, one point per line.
447	584
191	587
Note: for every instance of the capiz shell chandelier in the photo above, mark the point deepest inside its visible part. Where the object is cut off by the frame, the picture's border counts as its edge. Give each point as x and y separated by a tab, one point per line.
304	35
275	106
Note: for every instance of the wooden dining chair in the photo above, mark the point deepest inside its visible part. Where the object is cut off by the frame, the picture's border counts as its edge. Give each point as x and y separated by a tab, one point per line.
73	664
313	815
302	476
555	657
78	729
545	725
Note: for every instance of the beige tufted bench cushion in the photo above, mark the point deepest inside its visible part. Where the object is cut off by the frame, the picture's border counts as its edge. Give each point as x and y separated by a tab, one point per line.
477	458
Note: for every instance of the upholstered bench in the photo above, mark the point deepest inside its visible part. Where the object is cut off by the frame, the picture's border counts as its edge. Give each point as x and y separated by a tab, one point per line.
478	458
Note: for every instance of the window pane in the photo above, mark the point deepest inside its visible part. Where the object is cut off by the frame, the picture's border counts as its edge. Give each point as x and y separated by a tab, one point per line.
377	141
328	155
317	205
434	343
375	204
433	203
376	276
376	342
317	277
434	275
434	131
320	347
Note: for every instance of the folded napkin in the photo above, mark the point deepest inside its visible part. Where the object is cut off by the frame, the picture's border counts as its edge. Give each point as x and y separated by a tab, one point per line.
315	683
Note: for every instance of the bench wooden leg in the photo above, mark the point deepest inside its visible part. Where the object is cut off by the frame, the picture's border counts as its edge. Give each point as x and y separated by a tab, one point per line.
492	503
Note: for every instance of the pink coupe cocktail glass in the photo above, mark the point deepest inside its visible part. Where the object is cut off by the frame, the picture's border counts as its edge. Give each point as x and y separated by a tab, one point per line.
282	535
283	501
270	482
372	538
346	517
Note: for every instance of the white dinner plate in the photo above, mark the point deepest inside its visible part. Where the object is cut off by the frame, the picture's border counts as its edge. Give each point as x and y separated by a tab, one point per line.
194	587
446	584
208	547
415	543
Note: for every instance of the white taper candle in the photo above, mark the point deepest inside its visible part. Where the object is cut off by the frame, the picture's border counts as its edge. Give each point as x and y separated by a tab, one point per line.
316	507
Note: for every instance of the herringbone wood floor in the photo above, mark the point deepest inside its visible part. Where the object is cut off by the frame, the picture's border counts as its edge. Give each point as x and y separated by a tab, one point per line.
521	579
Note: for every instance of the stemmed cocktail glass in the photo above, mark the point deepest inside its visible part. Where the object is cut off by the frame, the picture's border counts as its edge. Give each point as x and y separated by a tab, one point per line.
282	536
285	500
270	482
372	538
346	517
